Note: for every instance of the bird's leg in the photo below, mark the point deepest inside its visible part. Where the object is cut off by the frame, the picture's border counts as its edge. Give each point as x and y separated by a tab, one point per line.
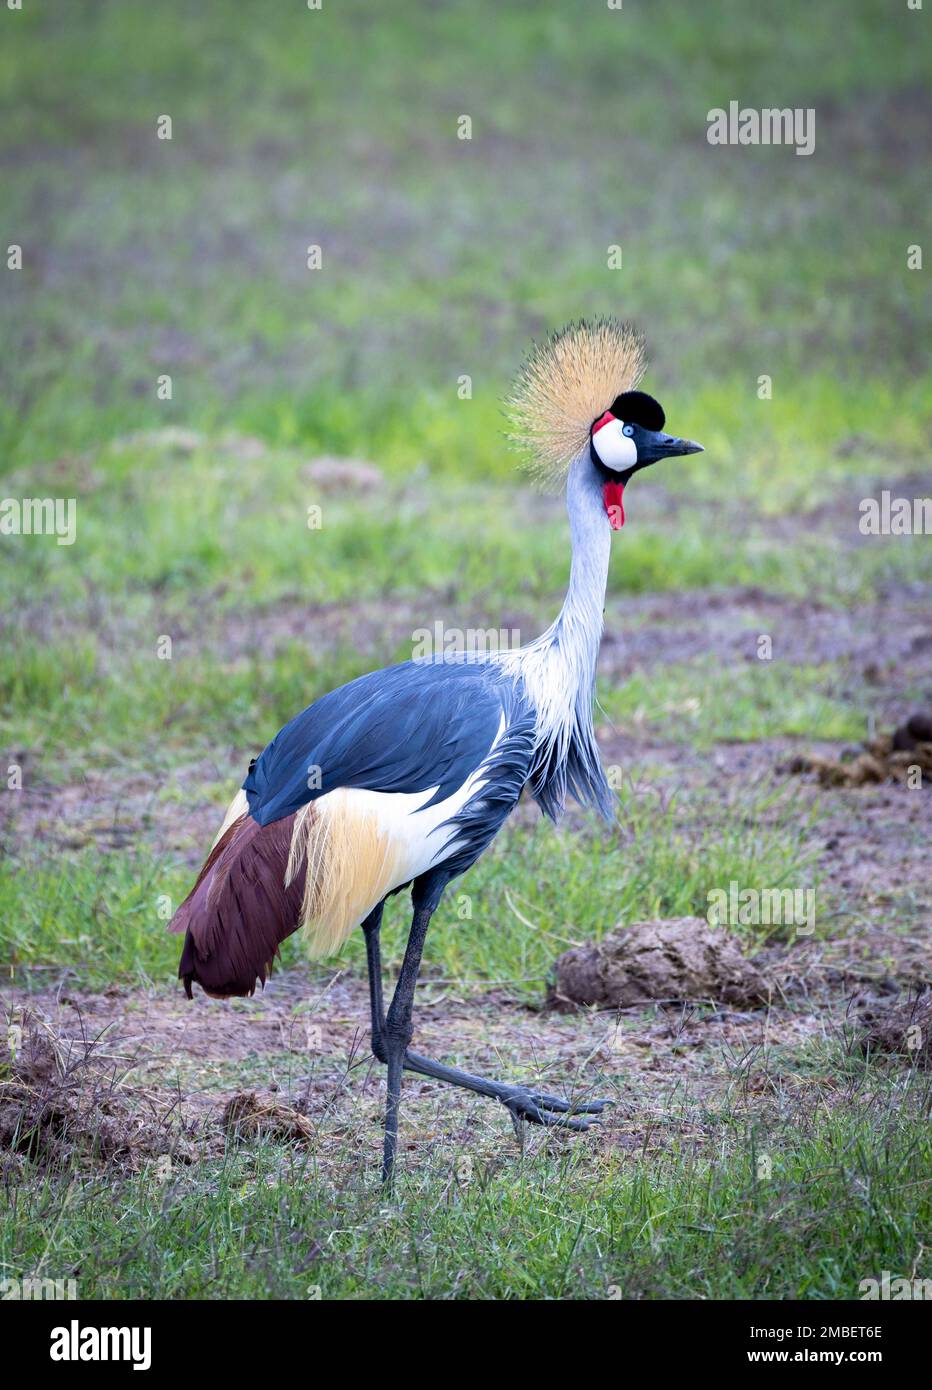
370	929
520	1101
425	895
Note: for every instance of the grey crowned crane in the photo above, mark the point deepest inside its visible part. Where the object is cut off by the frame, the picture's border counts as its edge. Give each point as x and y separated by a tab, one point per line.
404	776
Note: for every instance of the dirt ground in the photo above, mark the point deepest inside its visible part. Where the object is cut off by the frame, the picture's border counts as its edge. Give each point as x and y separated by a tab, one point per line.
305	1041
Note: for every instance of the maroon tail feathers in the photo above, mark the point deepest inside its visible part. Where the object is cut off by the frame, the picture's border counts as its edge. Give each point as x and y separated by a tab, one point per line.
239	911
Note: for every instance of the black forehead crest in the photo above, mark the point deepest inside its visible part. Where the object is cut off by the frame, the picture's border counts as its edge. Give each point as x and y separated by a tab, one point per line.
638	408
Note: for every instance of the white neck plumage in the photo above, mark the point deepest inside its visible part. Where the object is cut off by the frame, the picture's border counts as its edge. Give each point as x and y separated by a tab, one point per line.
578	629
558	668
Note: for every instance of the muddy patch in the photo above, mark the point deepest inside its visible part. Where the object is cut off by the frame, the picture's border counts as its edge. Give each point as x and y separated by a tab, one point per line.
905	756
902	1029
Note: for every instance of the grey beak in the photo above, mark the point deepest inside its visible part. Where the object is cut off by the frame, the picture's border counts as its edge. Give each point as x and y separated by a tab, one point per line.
654	444
668	446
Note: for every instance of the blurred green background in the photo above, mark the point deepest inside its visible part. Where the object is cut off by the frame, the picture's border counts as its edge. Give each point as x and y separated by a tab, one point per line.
443	256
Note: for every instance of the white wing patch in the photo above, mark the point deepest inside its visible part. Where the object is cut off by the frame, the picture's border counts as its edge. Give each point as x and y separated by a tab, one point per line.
360	844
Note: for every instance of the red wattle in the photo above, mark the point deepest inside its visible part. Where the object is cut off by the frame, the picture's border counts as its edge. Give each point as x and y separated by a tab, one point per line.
612	496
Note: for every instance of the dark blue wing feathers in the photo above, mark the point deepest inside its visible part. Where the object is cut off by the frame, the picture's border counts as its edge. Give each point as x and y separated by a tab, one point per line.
402	729
480	820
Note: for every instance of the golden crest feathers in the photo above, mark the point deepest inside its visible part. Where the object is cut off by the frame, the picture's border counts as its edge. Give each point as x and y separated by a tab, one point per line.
567	382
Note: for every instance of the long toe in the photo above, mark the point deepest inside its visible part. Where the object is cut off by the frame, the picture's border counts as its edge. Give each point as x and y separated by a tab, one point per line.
558	1121
538	1111
550	1102
594	1107
567	1107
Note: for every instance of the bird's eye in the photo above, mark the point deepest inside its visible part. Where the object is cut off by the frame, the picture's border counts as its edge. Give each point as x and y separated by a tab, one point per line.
628	430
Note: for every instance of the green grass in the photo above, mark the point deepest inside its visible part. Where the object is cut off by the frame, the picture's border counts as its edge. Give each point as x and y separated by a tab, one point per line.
178	541
442	256
94	916
847	1198
102	916
705	702
536	894
70	707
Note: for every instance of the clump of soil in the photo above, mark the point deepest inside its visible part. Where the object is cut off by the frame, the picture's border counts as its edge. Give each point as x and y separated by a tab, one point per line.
171	440
915	731
902	1029
680	958
333	474
888	758
61	1100
248	1115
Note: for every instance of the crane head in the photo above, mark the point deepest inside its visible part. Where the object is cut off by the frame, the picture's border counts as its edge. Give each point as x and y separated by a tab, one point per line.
625	439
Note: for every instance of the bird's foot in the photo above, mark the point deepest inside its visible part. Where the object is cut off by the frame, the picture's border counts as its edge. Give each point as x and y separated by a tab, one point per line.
539	1109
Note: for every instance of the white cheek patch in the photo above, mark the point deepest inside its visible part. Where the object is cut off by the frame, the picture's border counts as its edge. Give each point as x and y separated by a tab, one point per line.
615	448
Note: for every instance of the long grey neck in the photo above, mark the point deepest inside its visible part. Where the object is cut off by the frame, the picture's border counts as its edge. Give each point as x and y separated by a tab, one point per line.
557	671
558	668
577	632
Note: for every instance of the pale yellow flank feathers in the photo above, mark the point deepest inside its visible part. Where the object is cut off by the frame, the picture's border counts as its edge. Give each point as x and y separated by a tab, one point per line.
237	808
351	865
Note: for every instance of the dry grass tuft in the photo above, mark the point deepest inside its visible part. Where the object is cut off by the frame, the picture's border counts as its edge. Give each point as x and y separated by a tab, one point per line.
63	1099
247	1115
